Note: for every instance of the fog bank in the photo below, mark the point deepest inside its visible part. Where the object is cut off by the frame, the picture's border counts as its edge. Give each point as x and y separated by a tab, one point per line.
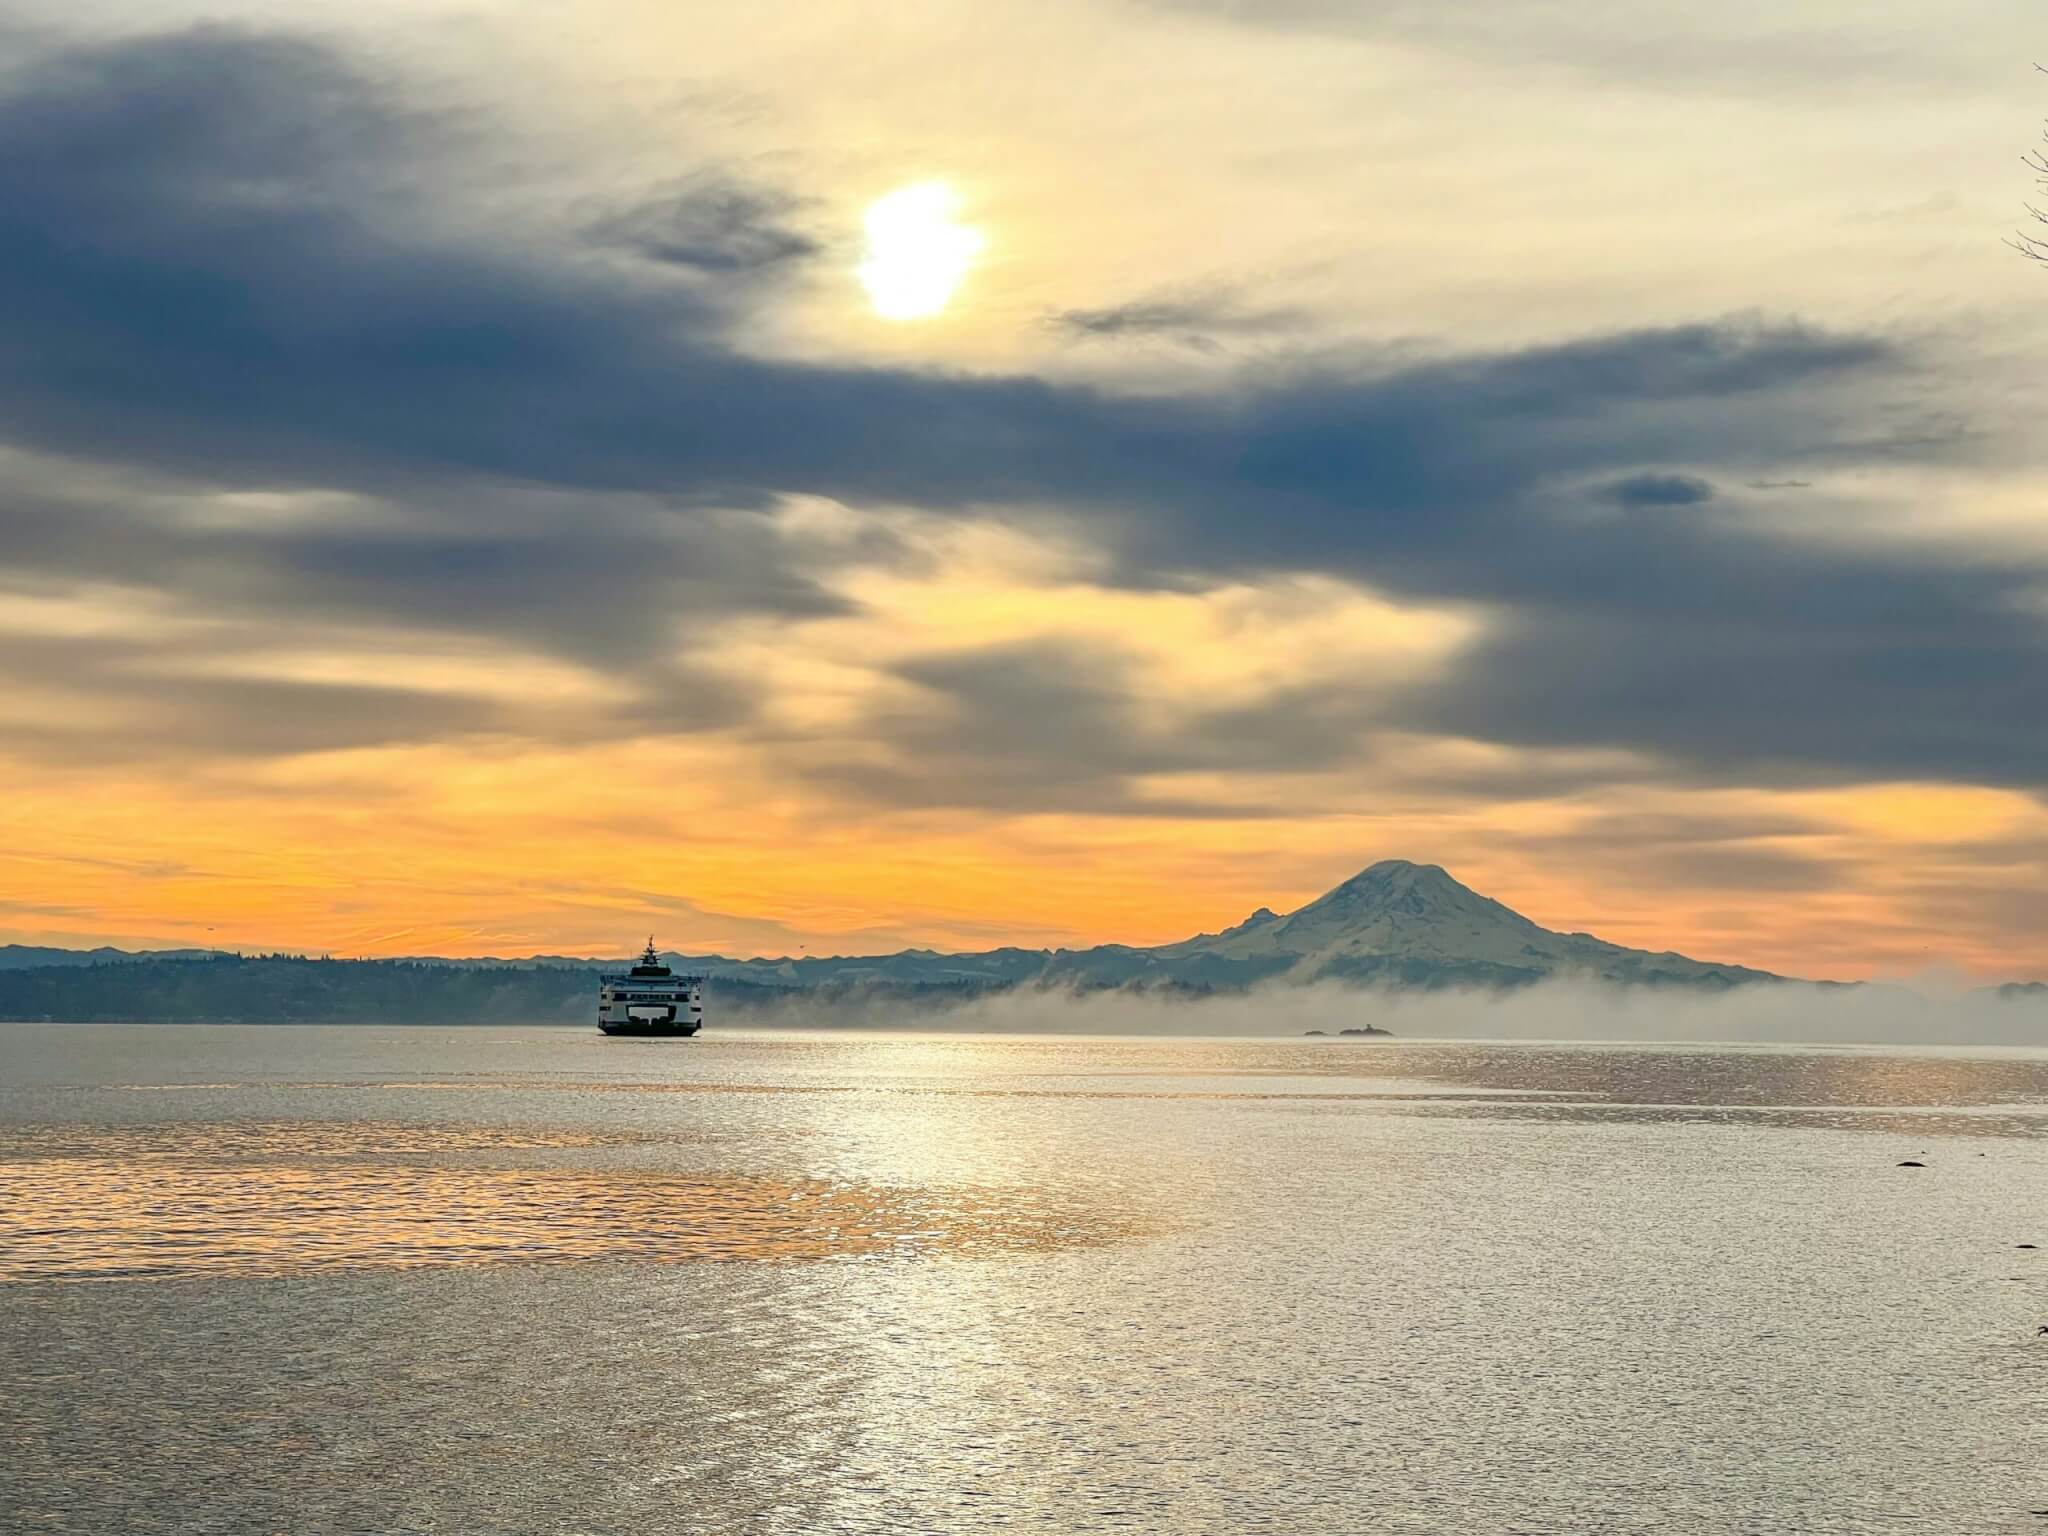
1558	1010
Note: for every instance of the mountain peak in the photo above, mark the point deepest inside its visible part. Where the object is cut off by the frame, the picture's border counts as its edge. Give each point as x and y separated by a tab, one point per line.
1396	905
1397	882
1388	870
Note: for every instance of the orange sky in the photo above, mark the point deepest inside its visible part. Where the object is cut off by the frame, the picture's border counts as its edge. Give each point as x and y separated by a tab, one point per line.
511	850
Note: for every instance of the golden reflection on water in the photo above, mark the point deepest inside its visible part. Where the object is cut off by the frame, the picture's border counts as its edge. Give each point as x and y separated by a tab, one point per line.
1395	1093
216	1141
1991	1122
258	1199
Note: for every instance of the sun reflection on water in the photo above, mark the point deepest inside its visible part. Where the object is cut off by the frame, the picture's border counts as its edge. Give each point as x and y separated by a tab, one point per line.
95	1202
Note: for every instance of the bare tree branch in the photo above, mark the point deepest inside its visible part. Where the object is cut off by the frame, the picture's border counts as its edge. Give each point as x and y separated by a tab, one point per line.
2035	247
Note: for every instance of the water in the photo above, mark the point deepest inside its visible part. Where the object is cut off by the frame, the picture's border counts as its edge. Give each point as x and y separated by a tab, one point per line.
308	1280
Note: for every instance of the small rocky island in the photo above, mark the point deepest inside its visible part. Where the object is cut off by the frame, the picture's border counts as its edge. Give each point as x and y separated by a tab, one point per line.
1365	1030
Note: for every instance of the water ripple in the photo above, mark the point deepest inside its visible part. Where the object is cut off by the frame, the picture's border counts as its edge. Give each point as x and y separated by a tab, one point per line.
213	1200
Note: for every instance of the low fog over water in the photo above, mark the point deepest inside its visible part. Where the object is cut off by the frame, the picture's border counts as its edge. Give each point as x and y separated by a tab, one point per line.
1874	1014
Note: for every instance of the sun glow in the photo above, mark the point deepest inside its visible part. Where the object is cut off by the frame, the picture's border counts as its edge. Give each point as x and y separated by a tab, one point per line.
916	253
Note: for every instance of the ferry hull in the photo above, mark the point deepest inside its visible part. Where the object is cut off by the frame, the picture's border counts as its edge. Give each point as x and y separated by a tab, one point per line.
651	1027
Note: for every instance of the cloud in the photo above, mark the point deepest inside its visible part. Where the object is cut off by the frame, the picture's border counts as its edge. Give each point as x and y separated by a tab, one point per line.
208	273
1733	850
1655	490
1041	725
220	286
1199	322
1774	662
1740	53
157	613
711	228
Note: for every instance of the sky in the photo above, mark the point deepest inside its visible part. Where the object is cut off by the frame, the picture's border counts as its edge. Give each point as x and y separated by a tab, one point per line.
496	479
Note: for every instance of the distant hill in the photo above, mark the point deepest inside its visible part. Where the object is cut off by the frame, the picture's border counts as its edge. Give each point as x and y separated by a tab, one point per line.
1397	925
22	957
288	989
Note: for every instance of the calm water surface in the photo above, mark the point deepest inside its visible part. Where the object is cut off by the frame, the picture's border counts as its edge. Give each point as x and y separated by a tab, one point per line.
535	1281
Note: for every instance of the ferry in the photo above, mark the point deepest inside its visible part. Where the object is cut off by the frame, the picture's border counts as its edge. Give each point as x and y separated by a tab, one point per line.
650	999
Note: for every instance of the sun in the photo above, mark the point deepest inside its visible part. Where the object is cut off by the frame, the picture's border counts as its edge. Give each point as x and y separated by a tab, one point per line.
916	253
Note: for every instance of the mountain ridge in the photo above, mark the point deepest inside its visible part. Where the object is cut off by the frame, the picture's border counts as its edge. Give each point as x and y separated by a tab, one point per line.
22	957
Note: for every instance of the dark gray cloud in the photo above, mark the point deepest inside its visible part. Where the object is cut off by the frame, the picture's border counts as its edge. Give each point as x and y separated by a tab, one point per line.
184	700
1010	726
1784	664
1659	490
712	227
123	704
213	275
205	274
1047	724
604	580
1201	322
